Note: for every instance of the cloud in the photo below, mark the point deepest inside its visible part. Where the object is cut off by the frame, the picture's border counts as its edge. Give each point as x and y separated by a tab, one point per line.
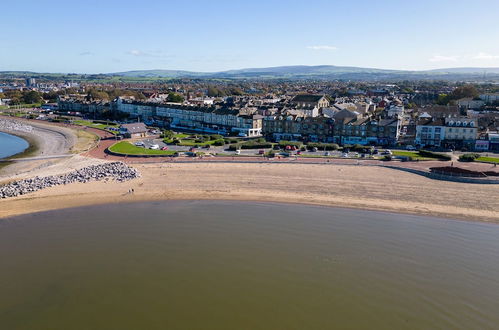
322	47
485	56
441	58
155	53
136	52
86	54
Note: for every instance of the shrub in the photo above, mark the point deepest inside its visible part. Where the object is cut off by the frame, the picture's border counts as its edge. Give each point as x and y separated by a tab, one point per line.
255	145
219	143
284	143
231	140
387	158
216	137
431	154
468	157
323	146
234	147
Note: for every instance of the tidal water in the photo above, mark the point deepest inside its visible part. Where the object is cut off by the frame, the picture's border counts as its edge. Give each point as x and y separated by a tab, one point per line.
237	265
11	145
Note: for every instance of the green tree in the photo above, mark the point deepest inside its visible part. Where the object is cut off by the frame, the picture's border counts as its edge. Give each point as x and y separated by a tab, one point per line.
94	94
464	91
31	97
443	99
174	97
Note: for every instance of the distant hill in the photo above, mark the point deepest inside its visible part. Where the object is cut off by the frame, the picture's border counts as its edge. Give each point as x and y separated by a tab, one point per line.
467	70
322	72
319	72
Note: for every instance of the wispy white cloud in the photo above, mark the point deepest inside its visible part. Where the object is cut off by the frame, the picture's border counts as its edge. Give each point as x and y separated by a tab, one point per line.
441	58
136	52
154	53
322	47
485	56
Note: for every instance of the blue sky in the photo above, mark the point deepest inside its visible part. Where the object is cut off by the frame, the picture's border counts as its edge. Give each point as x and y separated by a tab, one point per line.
110	36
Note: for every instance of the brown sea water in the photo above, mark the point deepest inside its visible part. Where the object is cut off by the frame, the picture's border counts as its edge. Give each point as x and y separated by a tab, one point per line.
237	265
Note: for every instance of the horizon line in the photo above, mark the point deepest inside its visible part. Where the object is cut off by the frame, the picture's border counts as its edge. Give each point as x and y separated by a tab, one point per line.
253	68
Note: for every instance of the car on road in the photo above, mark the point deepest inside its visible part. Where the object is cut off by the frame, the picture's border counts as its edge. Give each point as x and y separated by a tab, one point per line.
164	148
154	147
238	152
139	144
314	149
387	152
261	152
327	153
344	155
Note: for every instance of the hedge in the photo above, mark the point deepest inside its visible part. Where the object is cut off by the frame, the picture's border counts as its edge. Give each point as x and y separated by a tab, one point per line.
284	143
468	157
323	146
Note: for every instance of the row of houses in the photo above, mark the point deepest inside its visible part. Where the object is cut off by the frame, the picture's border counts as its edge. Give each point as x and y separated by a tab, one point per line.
211	119
311	118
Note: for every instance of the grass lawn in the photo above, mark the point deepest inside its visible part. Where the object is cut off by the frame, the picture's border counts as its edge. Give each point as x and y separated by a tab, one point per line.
488	159
181	135
414	154
127	148
88	123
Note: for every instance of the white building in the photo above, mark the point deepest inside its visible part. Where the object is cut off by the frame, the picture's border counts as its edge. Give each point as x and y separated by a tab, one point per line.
430	132
489	98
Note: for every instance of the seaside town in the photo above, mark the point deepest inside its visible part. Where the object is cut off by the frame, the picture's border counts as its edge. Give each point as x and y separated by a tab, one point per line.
410	115
249	165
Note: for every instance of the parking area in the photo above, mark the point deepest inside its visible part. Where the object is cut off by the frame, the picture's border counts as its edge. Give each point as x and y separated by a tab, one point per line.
152	143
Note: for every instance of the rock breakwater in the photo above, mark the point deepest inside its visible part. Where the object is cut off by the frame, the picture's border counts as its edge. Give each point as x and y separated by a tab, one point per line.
116	170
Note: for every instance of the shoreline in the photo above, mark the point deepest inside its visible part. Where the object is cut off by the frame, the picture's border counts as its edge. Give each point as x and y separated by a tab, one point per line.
441	217
32	149
346	187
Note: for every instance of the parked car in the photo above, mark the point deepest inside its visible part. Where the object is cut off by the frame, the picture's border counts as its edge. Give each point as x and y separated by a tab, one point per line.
164	148
154	147
192	149
327	153
387	152
139	144
261	152
314	149
344	155
238	152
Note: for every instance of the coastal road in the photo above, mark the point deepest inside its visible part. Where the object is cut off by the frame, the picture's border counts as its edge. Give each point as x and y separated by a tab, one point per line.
107	139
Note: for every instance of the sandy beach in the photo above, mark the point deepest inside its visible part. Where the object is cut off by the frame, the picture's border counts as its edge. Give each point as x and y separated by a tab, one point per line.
364	187
334	184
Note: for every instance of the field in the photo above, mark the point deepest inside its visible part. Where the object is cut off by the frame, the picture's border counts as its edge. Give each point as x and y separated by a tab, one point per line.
127	148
